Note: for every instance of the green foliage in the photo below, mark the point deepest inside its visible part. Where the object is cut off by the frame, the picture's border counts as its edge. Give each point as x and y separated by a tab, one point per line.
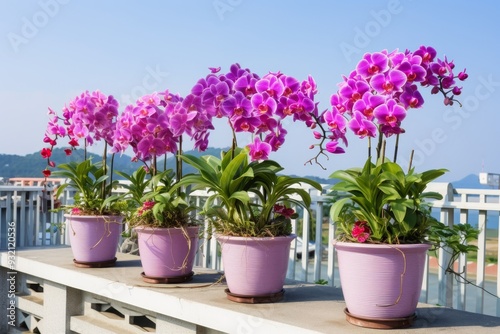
457	239
155	201
321	282
394	205
93	196
137	187
391	201
233	180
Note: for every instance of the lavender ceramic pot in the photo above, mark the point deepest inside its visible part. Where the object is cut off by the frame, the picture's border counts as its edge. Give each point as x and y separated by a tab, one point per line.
379	280
167	252
94	239
255	266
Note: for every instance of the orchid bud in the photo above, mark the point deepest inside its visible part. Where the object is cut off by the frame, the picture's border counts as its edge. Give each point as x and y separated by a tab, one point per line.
435	90
448	101
214	69
462	75
457	90
73	142
317	135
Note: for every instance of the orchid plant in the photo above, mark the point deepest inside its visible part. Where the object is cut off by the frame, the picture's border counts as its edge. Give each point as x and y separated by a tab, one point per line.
382	203
256	106
154	127
89	118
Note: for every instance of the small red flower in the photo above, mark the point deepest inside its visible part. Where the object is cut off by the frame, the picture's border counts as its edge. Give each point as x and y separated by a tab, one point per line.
46	153
283	210
68	151
46	172
278	208
148	205
73	142
288	212
361	231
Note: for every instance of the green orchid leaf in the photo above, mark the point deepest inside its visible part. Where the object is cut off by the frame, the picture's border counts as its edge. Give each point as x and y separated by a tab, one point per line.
398	209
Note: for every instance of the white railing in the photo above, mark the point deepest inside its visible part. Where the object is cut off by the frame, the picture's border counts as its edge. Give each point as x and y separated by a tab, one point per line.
28	208
480	208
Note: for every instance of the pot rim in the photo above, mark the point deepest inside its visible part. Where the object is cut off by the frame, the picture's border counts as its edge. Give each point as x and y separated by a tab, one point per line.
264	239
144	228
69	215
345	245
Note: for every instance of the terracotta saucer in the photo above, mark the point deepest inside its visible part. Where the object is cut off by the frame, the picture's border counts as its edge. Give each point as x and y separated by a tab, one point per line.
167	280
101	264
269	298
379	323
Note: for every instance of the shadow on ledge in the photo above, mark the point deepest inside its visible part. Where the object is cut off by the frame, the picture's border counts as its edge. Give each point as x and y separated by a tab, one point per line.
428	317
310	292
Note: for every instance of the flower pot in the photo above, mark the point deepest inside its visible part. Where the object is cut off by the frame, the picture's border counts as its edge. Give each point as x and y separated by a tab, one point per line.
255	267
94	239
167	254
381	281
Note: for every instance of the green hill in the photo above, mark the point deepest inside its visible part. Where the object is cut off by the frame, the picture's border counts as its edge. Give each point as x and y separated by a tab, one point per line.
32	165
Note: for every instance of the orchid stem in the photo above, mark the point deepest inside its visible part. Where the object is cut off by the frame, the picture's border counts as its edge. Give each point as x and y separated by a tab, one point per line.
178	165
369	148
396	148
411	160
153	166
85	149
105	169
234	143
383	151
379	145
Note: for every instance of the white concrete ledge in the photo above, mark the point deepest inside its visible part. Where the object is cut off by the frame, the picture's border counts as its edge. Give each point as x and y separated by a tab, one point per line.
116	300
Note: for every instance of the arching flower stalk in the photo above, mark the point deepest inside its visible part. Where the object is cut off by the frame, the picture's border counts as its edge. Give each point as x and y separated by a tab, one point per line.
374	99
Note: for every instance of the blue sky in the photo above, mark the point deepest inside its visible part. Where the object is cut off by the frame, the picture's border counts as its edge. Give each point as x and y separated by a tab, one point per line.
51	50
